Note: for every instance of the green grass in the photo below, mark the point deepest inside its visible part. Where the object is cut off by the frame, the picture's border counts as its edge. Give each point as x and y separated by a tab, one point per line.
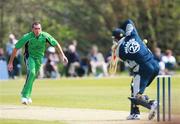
16	121
95	93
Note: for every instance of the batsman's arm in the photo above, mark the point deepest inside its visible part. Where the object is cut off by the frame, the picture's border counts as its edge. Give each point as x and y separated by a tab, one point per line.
129	28
10	64
61	53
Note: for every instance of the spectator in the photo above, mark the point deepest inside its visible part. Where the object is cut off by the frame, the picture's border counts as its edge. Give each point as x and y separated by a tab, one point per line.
108	56
3	65
51	67
170	61
17	60
97	61
11	44
2	56
74	61
84	69
74	42
158	57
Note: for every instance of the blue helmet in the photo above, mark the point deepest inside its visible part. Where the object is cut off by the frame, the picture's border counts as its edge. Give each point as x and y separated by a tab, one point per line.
118	33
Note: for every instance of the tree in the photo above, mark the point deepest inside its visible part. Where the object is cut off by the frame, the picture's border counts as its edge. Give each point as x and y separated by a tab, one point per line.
91	21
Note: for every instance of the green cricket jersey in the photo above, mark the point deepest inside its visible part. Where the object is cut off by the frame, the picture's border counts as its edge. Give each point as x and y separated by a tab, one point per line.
35	46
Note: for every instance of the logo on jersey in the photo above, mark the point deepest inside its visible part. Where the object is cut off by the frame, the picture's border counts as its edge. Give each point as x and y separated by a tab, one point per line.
132	46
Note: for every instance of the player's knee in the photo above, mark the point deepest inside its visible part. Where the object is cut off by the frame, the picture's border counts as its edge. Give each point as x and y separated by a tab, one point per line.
154	68
32	73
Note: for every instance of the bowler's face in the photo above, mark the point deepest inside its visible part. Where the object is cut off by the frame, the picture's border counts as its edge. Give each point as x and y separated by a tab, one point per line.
37	29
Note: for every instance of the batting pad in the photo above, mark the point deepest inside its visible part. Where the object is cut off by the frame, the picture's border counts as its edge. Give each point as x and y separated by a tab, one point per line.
144	103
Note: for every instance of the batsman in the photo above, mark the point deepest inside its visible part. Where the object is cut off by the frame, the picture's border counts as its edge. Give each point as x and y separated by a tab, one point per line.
129	47
35	43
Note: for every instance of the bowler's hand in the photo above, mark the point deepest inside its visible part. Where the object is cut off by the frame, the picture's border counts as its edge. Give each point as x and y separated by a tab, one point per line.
64	60
10	67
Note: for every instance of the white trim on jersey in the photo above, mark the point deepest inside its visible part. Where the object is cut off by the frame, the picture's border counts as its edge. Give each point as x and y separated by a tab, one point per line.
129	29
119	44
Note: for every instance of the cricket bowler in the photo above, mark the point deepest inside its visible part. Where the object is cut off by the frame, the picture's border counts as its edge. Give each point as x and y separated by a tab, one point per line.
130	48
35	45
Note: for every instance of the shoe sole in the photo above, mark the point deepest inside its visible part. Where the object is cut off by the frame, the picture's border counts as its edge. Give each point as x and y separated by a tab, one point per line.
133	119
24	103
151	116
152	113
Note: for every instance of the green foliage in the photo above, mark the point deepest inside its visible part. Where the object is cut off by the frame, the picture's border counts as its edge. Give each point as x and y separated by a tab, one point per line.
91	21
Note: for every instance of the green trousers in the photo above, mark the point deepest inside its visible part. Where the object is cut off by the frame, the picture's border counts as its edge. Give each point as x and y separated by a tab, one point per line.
33	66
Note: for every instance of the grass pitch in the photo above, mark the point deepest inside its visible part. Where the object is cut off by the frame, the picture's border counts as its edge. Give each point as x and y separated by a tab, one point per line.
18	121
96	93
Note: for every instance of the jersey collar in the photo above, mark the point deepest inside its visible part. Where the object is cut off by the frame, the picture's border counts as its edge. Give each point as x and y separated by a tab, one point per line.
36	36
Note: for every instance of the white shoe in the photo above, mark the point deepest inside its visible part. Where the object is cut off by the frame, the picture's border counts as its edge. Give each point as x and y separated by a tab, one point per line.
133	117
24	101
29	100
130	117
153	110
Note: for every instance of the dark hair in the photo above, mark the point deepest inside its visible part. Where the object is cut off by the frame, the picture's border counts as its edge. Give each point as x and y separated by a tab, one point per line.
35	23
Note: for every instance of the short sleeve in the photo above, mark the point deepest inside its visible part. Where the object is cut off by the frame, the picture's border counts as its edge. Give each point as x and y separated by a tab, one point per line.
23	40
51	40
